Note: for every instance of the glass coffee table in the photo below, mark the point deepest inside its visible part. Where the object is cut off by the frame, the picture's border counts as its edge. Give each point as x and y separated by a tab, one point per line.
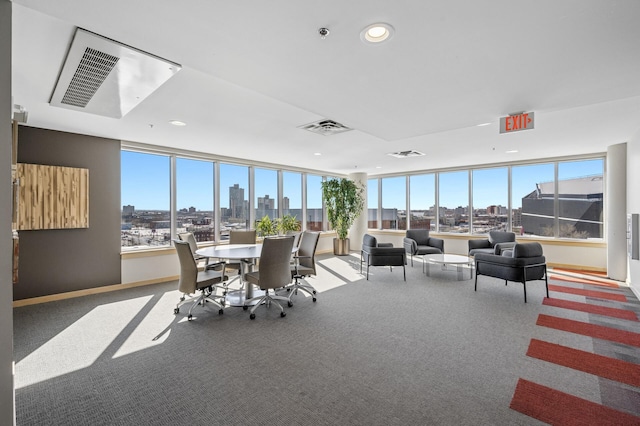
445	260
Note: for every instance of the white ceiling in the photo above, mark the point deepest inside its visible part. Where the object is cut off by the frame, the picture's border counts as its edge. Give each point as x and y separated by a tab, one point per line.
255	70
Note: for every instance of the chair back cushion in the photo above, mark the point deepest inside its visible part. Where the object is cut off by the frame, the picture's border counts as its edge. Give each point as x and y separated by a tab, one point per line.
307	251
420	236
188	268
496	237
274	267
527	250
242	237
369	241
188	237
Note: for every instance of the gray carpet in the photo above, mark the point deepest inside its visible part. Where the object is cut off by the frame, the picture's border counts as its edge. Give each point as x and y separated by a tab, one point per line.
428	351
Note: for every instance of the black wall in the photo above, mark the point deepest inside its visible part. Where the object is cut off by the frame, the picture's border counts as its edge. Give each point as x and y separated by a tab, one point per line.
61	260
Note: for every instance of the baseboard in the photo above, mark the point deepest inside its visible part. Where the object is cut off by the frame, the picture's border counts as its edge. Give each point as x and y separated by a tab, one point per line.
89	291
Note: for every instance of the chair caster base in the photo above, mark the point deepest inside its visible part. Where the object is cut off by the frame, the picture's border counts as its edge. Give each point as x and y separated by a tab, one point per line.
190	317
176	311
283	314
252	316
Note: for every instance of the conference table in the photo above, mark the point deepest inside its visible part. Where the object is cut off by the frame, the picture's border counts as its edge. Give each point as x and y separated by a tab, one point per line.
237	252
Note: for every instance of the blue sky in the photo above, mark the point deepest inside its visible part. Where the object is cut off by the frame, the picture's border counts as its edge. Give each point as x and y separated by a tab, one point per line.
145	183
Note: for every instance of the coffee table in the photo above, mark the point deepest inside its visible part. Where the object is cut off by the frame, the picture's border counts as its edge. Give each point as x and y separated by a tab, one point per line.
448	259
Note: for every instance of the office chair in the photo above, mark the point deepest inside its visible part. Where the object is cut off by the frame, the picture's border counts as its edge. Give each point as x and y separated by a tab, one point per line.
191	281
273	272
304	265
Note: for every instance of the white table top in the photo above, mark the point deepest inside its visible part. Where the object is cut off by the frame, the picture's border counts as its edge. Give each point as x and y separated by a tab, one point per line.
232	251
452	259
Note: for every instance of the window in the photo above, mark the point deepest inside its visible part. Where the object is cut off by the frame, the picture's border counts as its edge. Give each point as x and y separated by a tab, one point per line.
234	202
422	199
580	199
394	203
292	194
454	201
314	203
194	198
145	199
372	203
490	200
532	199
266	193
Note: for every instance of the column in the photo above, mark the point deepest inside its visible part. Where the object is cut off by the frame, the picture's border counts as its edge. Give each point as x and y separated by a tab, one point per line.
616	208
360	226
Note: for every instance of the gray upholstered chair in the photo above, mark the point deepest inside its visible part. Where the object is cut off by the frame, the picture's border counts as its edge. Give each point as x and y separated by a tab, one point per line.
273	272
192	281
381	254
494	244
525	262
418	242
241	237
193	245
304	265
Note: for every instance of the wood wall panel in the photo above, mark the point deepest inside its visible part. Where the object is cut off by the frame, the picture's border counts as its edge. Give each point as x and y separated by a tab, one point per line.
52	197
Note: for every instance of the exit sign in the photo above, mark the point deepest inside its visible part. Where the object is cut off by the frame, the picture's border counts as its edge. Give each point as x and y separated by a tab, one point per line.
517	122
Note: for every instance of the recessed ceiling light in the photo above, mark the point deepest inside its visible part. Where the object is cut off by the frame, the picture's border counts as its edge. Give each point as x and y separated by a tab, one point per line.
317	153
178	123
512	151
378	167
483	124
377	33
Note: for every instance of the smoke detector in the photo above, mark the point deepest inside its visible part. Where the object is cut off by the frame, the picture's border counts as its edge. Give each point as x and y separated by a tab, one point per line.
104	77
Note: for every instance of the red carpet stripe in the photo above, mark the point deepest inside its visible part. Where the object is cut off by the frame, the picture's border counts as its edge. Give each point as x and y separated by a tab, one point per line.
591	330
591	309
588	293
583	281
609	368
579	271
559	408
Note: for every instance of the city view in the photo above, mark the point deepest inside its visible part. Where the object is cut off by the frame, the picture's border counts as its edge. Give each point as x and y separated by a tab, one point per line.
579	201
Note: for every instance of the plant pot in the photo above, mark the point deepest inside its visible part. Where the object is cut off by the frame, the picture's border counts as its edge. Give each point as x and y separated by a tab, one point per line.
340	247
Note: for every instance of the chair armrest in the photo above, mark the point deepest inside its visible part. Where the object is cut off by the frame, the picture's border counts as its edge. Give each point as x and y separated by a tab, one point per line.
477	244
385	245
437	243
410	245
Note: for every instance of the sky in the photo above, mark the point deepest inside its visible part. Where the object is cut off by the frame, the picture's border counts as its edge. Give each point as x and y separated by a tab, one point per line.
145	183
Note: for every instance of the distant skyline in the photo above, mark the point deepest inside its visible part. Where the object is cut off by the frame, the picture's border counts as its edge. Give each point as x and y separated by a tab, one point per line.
145	184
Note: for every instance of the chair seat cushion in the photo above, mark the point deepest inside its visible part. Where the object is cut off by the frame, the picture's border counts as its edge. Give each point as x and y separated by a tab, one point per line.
475	251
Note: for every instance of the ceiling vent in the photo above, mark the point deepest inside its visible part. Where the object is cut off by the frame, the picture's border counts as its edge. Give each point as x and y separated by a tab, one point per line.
107	78
405	154
325	127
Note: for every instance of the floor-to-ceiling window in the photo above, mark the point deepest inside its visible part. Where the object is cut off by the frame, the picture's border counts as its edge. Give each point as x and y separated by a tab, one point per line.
292	194
422	199
266	193
580	199
194	198
314	203
234	198
453	192
490	197
145	198
394	203
532	199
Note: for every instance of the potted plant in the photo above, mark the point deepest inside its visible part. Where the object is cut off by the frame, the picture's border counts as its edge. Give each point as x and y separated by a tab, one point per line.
344	201
287	223
265	227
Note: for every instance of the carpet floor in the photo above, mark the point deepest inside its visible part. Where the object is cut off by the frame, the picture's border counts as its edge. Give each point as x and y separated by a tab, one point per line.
428	351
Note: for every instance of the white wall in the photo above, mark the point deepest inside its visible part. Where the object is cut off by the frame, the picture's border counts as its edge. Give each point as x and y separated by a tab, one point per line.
633	201
148	266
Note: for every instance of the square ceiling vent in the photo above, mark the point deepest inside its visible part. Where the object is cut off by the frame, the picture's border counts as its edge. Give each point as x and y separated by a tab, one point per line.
405	154
325	127
107	78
